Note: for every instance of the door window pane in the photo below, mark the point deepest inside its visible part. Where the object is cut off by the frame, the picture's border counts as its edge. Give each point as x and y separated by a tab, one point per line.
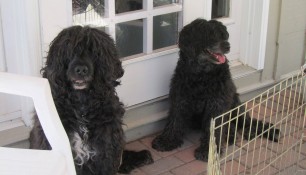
220	8
127	5
86	11
85	6
143	30
157	3
165	30
129	37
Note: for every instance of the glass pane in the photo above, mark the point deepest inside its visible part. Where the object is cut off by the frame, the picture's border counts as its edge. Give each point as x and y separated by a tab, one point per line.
129	38
127	5
157	3
220	8
85	11
165	30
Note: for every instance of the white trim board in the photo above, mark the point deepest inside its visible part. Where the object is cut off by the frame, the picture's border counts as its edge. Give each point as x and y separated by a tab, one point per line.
254	25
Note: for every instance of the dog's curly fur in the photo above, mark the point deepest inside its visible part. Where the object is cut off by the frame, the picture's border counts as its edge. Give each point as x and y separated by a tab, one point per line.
202	88
83	70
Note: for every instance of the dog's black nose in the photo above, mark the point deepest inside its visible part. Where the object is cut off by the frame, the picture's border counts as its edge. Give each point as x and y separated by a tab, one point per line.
81	70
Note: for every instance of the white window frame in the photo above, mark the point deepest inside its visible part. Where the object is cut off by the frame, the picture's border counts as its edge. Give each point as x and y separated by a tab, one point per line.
110	20
147	14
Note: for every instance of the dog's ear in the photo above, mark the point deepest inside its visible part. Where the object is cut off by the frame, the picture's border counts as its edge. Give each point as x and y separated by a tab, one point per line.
192	38
60	52
107	62
185	43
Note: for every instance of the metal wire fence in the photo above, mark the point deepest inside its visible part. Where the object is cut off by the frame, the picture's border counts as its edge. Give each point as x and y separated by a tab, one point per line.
284	106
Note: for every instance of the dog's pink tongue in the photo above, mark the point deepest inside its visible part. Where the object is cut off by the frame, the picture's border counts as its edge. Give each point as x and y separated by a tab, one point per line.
221	58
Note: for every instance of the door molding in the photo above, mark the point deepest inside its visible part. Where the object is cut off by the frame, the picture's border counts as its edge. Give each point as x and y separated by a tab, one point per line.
254	28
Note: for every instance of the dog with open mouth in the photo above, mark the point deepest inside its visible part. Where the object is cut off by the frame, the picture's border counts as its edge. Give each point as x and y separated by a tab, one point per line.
202	88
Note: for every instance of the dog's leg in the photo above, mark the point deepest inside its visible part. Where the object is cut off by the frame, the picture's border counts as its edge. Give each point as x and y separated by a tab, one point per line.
255	127
214	109
109	144
172	135
232	132
133	159
37	138
201	153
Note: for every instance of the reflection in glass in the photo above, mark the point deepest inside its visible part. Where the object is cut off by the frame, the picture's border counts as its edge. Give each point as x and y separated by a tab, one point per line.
84	6
127	5
157	3
220	8
88	11
165	30
129	38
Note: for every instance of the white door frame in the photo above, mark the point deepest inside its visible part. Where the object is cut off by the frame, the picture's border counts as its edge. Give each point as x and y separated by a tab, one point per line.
254	28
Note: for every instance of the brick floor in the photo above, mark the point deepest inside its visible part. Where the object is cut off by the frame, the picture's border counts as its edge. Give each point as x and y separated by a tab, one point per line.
258	156
192	168
162	165
302	164
255	157
232	167
187	154
262	169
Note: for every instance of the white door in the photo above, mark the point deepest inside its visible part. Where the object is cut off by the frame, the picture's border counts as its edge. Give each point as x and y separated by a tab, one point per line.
145	32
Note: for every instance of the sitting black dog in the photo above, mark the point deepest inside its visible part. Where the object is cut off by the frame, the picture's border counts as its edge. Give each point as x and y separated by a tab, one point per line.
83	69
202	89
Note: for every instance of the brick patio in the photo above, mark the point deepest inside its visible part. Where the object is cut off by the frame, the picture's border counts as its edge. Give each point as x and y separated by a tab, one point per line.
258	155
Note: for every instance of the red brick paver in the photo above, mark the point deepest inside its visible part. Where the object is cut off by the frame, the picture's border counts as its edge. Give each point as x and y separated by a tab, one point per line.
192	168
163	165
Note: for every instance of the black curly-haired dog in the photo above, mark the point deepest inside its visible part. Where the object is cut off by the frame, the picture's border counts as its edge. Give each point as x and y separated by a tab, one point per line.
83	69
202	88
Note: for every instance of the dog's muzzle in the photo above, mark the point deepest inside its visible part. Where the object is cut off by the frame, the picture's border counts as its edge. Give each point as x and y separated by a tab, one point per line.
79	84
80	74
80	81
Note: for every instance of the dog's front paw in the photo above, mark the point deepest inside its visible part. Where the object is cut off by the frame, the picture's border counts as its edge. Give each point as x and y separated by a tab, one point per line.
274	135
146	157
161	143
201	153
134	159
